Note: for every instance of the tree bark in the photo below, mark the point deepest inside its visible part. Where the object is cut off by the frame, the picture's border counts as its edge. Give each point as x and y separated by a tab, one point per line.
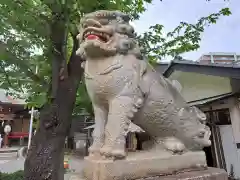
46	154
45	157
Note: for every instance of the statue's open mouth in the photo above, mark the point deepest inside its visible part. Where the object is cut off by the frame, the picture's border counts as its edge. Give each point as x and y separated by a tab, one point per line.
95	35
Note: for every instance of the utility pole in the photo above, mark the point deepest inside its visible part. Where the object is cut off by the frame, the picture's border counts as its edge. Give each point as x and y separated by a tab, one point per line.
31	121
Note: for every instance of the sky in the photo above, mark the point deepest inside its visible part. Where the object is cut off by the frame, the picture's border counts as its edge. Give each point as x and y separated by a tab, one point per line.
224	36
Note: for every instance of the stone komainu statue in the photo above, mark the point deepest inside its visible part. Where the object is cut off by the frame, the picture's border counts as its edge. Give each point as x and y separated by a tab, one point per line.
124	88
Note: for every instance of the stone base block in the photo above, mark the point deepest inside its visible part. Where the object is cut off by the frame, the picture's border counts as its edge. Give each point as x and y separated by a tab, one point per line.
143	165
208	174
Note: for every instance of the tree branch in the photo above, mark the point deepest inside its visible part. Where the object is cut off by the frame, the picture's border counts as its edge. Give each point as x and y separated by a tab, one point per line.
6	75
53	5
75	61
25	5
13	60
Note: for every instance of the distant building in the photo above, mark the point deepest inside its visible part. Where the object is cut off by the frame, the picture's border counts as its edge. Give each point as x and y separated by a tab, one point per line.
213	85
161	67
13	111
219	57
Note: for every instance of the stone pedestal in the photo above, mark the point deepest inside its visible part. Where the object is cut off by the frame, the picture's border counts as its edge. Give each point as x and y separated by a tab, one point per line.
143	165
208	174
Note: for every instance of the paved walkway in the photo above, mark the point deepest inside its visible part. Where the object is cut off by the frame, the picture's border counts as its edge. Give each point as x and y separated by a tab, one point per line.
3	161
7	155
14	148
10	166
9	149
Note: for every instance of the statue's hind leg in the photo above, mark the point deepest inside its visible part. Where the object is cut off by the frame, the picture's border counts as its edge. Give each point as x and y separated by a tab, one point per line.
170	144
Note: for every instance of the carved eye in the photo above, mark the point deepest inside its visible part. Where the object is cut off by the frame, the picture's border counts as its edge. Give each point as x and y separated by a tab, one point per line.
99	14
104	21
84	26
201	134
123	28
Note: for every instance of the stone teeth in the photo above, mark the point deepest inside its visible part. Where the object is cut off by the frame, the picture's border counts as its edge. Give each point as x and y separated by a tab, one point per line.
87	33
96	33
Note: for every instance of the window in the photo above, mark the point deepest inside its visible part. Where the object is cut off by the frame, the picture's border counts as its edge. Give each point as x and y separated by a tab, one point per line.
219	117
222	117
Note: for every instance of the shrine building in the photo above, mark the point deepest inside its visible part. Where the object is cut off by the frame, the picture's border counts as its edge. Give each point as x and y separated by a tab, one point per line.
12	112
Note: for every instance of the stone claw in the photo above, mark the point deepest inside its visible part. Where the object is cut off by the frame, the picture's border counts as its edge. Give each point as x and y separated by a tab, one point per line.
108	152
119	154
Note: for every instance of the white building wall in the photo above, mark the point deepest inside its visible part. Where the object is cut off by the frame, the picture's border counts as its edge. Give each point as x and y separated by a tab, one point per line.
230	134
198	86
232	157
235	118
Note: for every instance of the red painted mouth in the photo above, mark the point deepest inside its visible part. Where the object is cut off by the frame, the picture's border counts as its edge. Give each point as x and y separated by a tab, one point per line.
92	37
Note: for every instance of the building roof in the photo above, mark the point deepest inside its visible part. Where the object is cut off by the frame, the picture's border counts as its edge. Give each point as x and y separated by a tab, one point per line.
212	99
216	69
161	67
221	54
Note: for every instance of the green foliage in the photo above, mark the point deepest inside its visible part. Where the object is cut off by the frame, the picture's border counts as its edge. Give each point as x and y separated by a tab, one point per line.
184	38
83	103
25	42
25	28
18	175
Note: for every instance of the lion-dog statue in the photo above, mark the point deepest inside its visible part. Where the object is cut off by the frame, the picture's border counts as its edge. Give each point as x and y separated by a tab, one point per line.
124	88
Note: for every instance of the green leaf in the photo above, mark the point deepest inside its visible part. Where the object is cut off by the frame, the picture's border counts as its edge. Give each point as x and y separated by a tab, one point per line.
184	38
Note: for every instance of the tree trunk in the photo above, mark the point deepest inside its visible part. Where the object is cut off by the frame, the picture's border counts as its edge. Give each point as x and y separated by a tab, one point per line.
45	157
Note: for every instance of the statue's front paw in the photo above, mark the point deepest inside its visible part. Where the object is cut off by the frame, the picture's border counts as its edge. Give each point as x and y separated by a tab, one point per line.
177	147
106	151
113	153
119	154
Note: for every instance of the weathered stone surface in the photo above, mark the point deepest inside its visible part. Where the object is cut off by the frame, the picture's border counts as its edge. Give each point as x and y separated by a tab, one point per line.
143	164
74	177
208	174
124	88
